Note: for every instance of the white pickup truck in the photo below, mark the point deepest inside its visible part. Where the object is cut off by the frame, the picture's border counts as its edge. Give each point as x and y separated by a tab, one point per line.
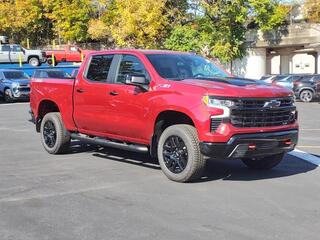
12	53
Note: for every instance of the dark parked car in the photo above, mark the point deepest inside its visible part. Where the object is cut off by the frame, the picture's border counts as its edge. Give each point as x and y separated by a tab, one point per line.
307	88
283	80
14	85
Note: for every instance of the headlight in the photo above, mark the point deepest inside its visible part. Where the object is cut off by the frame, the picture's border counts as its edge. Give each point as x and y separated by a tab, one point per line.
214	102
15	85
223	104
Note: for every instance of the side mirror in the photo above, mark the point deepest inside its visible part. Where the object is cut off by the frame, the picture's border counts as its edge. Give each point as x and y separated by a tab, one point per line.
136	80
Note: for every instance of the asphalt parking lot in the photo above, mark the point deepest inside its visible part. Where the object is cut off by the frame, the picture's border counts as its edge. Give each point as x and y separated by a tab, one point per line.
99	193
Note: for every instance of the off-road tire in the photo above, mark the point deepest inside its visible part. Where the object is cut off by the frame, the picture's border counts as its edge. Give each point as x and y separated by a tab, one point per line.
62	141
195	160
263	163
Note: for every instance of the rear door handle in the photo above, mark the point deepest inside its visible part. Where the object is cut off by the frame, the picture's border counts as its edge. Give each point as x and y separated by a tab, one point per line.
80	90
113	93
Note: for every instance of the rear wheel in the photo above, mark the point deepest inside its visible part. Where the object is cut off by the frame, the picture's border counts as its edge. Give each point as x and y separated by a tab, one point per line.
306	96
49	61
263	162
34	62
179	153
54	137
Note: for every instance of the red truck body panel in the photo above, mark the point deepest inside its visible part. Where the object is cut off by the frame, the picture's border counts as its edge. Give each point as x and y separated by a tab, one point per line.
131	115
68	54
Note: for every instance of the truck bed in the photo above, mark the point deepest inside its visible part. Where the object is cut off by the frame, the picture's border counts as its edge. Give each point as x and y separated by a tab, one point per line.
55	90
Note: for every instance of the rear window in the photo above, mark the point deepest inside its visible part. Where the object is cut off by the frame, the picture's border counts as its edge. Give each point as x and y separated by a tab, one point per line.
51	74
99	67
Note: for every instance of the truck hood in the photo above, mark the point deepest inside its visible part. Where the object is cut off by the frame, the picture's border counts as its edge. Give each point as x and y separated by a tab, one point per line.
238	87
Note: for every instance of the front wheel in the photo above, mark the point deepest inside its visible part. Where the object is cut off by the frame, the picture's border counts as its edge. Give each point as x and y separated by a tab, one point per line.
306	96
8	96
263	163
54	137
179	153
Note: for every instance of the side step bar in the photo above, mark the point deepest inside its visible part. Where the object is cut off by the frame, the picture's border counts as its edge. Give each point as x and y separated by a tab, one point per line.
108	143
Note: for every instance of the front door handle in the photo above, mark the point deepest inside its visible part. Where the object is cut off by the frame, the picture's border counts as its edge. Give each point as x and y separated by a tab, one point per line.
113	93
80	90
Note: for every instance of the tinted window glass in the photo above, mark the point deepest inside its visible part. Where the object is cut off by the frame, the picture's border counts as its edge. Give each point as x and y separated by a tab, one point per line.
51	74
57	74
184	66
279	77
316	78
130	65
5	48
16	49
99	68
306	79
296	78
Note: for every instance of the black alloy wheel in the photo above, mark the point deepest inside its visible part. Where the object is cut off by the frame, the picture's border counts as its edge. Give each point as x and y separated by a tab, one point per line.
175	154
49	134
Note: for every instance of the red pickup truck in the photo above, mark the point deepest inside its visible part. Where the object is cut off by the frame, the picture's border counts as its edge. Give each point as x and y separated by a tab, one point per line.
179	107
70	53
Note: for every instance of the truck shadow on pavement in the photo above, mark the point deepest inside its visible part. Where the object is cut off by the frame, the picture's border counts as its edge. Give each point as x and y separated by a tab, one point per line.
231	170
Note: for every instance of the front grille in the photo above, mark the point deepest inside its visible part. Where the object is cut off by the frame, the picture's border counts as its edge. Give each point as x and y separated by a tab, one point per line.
215	123
256	113
24	89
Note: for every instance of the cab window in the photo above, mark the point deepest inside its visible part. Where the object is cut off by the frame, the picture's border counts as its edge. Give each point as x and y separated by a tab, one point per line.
5	48
16	49
130	65
99	67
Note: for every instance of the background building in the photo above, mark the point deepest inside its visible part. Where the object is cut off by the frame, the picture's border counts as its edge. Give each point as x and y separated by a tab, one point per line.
293	49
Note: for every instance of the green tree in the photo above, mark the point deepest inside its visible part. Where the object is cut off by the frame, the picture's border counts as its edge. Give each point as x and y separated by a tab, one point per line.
219	26
312	10
69	18
22	19
137	23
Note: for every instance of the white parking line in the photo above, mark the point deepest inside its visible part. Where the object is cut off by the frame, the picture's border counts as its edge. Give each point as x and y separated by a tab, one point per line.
305	156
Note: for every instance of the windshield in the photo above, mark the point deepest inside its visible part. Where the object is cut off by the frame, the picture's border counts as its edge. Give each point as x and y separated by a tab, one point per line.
15	75
184	66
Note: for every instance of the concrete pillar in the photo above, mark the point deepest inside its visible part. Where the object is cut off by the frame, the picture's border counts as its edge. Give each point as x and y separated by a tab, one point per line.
256	63
269	64
286	66
318	62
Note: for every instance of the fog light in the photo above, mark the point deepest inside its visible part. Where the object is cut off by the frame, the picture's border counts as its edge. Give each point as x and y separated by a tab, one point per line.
288	142
252	147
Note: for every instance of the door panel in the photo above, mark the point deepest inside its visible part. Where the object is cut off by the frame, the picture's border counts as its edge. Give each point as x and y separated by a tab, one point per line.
73	54
129	110
129	105
4	53
91	96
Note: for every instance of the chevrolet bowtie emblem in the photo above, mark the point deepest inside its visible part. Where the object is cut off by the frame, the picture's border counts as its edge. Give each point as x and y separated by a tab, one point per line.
272	104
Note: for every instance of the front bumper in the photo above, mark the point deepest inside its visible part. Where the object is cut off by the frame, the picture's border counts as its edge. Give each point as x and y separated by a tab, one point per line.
20	95
251	145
